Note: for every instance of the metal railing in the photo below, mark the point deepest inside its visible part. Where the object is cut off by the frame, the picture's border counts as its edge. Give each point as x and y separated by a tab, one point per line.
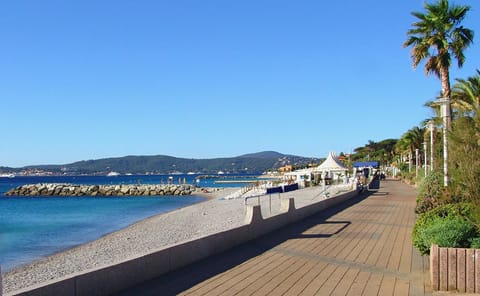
258	197
263	195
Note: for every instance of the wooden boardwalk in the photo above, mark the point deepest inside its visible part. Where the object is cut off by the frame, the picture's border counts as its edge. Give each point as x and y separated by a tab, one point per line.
362	247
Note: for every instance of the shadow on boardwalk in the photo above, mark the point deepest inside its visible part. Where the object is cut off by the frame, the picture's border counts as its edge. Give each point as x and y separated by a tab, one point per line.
361	247
181	280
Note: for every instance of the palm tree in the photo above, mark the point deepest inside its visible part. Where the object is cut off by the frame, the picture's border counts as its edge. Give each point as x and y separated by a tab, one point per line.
466	94
411	140
435	38
400	148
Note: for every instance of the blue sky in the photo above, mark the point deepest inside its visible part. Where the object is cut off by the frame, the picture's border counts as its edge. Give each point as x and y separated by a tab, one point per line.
203	79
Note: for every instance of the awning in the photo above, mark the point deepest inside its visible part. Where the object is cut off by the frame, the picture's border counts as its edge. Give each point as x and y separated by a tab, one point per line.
366	164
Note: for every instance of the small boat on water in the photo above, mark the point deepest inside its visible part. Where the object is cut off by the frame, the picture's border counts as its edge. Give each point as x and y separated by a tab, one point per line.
7	176
113	174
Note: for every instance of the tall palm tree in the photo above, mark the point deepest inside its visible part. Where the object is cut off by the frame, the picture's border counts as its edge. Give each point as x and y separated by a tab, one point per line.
466	94
435	38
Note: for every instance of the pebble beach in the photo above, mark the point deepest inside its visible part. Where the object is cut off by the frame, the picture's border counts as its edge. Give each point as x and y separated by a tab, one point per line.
155	233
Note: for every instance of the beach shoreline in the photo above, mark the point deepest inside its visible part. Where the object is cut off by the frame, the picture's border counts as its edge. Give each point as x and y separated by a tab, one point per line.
201	195
214	215
125	243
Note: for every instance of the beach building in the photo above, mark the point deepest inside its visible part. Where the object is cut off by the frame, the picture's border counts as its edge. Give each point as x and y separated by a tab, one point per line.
285	169
302	177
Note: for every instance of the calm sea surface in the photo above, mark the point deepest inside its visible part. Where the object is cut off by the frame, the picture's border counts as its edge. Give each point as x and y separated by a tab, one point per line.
35	227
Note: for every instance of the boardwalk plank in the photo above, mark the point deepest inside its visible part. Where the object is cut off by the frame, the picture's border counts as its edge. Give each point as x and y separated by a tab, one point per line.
364	248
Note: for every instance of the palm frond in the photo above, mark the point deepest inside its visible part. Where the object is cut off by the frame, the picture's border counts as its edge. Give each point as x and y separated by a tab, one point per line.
437	36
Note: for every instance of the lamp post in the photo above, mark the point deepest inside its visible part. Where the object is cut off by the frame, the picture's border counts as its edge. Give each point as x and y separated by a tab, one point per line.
431	127
443	107
416	162
410	160
425	157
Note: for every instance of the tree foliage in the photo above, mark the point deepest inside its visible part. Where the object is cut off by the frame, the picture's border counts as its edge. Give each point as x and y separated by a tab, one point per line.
382	151
466	95
436	38
465	158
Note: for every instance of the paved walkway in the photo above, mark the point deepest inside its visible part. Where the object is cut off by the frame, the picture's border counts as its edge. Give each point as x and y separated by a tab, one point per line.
362	247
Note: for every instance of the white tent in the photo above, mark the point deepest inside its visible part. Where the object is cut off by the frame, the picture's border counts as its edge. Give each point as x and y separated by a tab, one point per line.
331	164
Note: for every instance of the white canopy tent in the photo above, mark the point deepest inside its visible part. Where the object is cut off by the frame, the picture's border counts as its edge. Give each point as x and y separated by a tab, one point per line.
330	166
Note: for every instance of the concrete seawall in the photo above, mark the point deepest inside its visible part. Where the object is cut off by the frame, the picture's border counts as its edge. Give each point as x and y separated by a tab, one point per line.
118	277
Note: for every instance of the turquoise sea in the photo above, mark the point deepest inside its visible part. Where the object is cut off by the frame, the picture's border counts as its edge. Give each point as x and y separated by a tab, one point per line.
35	227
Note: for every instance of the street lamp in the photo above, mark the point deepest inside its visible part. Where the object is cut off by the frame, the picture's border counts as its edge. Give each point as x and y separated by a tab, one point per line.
425	165
416	162
443	107
431	127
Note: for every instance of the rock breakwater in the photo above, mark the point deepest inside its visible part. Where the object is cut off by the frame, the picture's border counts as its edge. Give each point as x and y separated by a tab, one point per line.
52	189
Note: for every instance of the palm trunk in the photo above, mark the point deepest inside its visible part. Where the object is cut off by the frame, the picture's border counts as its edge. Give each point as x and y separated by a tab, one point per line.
446	92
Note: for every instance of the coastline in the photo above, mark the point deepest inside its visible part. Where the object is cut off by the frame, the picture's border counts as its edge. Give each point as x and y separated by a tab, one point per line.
150	235
145	236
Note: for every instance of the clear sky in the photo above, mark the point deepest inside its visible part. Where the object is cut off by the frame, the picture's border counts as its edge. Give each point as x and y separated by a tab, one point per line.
91	79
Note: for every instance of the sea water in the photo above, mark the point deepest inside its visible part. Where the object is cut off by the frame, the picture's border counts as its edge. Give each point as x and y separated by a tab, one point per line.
35	227
31	228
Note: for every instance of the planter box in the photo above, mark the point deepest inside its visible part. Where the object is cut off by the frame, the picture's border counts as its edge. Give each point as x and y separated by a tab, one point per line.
455	269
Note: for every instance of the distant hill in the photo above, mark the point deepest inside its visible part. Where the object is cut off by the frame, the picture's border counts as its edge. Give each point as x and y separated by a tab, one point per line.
162	164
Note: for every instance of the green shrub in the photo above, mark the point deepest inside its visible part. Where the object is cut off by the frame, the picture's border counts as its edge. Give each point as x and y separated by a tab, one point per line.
462	210
451	232
430	192
464	157
475	243
445	232
449	225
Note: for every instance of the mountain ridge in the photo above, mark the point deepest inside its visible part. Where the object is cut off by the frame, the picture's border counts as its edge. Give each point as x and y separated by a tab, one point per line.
164	164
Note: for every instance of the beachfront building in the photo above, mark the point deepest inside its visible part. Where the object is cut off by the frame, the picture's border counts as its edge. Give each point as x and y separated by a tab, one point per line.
302	177
285	169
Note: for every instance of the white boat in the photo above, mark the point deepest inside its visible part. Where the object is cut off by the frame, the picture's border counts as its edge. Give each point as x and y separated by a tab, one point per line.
113	174
220	172
7	176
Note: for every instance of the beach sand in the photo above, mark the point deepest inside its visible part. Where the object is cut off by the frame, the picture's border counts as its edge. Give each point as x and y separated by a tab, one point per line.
152	234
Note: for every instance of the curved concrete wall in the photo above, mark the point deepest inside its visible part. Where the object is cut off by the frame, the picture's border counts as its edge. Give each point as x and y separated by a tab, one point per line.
116	278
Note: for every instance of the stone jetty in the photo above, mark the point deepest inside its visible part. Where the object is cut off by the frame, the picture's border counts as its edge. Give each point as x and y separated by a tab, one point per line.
53	189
